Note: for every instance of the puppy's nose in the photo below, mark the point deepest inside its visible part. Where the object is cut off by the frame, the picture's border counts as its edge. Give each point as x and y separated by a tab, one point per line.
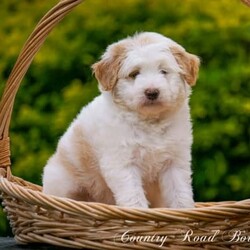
152	94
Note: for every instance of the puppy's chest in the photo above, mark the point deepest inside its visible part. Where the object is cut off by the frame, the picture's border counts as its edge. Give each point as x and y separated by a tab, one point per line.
152	154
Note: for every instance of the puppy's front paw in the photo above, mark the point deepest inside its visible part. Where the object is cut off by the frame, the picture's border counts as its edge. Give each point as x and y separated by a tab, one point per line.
142	204
138	205
183	203
189	204
134	202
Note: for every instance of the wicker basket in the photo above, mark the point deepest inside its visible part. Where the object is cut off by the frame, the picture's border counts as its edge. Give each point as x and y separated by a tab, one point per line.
36	217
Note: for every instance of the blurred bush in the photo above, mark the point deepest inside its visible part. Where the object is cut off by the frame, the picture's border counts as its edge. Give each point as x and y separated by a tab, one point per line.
60	82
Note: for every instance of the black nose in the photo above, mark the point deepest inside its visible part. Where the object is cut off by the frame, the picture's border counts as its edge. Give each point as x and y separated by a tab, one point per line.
152	94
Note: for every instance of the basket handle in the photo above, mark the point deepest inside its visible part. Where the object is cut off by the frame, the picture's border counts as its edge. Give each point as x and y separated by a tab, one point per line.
30	48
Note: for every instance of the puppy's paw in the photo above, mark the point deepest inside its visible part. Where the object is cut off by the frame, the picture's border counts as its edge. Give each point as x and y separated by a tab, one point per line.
141	204
138	205
183	203
134	203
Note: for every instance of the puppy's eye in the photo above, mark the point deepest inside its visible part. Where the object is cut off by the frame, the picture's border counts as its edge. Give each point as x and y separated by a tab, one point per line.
134	74
164	72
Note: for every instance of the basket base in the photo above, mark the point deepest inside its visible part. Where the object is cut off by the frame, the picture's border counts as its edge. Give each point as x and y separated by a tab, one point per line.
39	218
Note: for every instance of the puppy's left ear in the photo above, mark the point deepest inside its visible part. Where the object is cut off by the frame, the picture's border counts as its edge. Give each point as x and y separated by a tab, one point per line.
106	73
189	64
106	70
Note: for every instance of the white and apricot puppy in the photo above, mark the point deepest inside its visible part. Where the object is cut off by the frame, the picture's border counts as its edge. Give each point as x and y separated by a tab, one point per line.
131	146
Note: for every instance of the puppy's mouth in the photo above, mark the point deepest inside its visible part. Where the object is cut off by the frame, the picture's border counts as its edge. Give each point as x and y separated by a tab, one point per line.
151	108
151	103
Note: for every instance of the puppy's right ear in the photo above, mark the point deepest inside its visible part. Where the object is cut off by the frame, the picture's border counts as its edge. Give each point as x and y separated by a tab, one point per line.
106	70
189	63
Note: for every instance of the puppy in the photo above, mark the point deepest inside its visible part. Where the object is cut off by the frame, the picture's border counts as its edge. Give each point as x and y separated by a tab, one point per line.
131	145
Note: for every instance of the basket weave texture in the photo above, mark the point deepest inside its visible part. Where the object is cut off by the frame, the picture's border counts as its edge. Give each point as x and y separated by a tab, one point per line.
36	217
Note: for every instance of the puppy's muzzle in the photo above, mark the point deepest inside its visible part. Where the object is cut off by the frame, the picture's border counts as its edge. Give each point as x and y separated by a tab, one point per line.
152	94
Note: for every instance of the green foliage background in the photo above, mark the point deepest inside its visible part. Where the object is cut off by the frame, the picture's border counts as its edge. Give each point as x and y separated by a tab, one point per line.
60	82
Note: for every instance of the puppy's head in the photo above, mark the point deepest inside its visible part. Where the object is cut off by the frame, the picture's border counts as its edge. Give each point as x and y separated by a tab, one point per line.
147	73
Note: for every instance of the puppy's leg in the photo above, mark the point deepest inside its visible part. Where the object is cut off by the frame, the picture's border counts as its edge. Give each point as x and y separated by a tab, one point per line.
125	183
176	188
57	180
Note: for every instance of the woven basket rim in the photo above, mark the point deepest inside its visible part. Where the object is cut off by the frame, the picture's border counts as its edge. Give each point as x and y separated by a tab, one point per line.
204	211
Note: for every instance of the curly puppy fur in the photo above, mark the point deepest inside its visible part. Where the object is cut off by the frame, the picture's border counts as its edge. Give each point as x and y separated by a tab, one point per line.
131	146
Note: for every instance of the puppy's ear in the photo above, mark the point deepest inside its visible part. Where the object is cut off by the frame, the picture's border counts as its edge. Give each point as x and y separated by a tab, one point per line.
189	64
106	70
